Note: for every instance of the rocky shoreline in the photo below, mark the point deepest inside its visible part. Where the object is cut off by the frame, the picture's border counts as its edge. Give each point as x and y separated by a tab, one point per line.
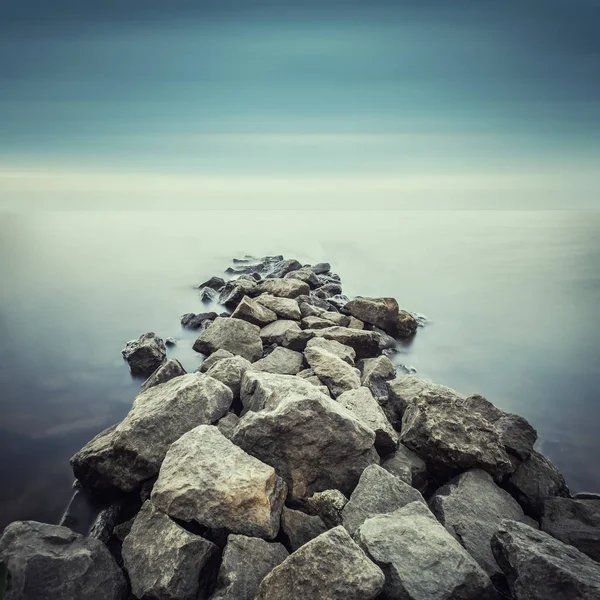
295	462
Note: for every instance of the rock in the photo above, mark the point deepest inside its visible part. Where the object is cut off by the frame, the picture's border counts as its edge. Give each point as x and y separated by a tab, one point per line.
574	522
209	361
328	505
208	295
215	283
354	323
383	313
336	374
313	443
408	466
406	324
283	288
121	531
308	310
321	268
207	479
50	561
420	559
331	566
586	496
246	562
105	522
170	341
313	322
346	353
539	567
127	454
163	560
378	492
386	341
535	480
364	343
227	424
336	318
233	291
328	290
197	321
471	507
300	528
253	312
282	360
230	372
375	373
277	332
313	300
363	406
284	308
235	335
282	267
169	370
304	274
145	354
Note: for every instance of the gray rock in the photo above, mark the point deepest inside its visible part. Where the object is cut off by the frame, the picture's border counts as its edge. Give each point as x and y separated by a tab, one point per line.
383	313
207	479
282	360
283	288
169	370
420	559
197	321
313	300
208	295
246	562
163	560
408	466
209	361
308	310
336	374
127	454
375	373
233	291
586	496
300	528
227	424
282	267
235	335
253	312
328	505
284	308
354	323
277	332
364	343
328	290
230	371
170	341
316	322
539	567
305	274
145	354
321	268
52	562
337	302
331	566
574	522
215	283
346	353
336	318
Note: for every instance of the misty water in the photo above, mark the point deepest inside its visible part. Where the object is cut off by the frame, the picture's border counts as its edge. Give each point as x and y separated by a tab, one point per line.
512	299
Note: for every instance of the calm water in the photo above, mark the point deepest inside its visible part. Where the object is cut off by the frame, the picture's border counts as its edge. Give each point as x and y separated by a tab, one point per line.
512	298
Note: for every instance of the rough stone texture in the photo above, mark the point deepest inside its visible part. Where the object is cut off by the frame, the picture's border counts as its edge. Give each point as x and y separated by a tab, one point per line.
346	353
145	354
336	374
535	480
574	522
253	312
227	424
233	291
282	267
305	274
171	369
331	566
50	562
195	321
539	567
314	301
363	406
383	313
328	505
246	562
215	283
282	360
355	323
300	528
283	288
284	308
406	324
313	443
163	560
235	335
408	466
471	507
375	372
420	559
207	479
365	343
209	361
208	295
308	310
127	454
230	371
275	333
336	318
328	290
316	322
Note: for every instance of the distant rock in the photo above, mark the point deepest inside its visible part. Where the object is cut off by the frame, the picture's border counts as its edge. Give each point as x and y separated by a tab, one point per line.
282	360
355	323
283	288
328	505
145	354
321	268
305	274
279	332
234	335
170	341
215	283
383	313
253	312
233	291
169	370
300	528
282	267
328	290
408	466
284	308
197	321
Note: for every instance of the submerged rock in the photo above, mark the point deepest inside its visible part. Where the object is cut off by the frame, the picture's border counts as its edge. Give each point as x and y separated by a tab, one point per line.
234	335
215	283
208	295
227	424
282	360
300	528
145	354
284	308
169	370
253	312
328	505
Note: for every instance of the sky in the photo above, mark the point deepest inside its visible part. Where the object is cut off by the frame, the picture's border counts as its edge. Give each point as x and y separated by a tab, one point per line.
244	104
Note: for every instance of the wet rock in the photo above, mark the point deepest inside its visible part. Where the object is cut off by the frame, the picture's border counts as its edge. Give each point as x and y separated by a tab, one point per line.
282	360
131	452
169	370
308	310
145	354
586	496
316	322
227	424
375	373
364	343
321	268
207	479
163	560
328	505
284	308
209	361
336	374
197	321
539	567
386	341
420	559
300	528
283	288
305	274
331	566
234	335
246	562
283	267
406	324
328	290
170	341
313	300
215	283
408	466
230	371
383	313
50	561
233	291
208	295
253	312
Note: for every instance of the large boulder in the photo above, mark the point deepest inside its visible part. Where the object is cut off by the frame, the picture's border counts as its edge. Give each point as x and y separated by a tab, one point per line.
313	443
52	562
246	562
169	370
378	492
131	452
383	313
253	312
331	566
283	267
420	559
328	505
346	353
230	372
232	292
336	374
282	360
574	522
299	528
283	288
145	354
539	567
235	335
207	479
364	343
408	466
316	322
284	308
164	561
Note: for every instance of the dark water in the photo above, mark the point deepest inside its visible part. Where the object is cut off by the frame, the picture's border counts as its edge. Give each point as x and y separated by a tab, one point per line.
512	297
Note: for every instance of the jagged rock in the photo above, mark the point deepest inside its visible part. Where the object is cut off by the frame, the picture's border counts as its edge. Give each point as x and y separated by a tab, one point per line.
383	313
346	353
209	361
104	523
375	373
328	290
253	312
208	479
246	562
169	370
233	291
284	308
308	310
539	567
230	372
378	492
420	559
127	454
471	507
282	360
235	335
208	295
315	322
337	302
145	354
313	443
535	480
354	323
283	288
406	324
331	566
364	407
328	505
313	300
197	321
227	424
215	283
50	561
121	531
300	528
336	318
574	522
282	267
408	466
305	274
336	374
170	341
163	560
276	332
321	268
364	343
